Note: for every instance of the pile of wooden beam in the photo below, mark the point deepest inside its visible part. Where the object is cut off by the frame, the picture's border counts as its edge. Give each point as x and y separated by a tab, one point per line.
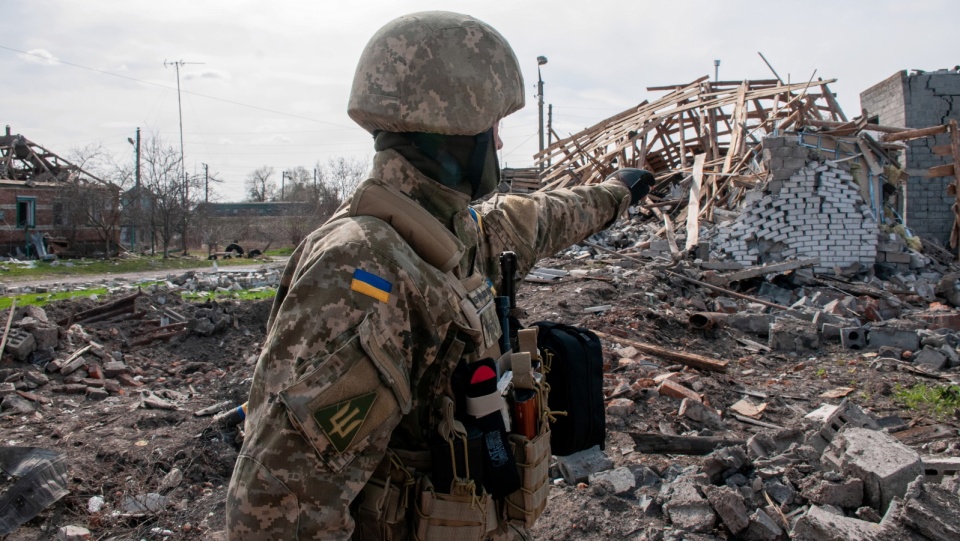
725	121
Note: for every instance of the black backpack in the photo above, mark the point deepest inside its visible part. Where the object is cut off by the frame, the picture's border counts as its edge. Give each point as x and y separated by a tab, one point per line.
575	361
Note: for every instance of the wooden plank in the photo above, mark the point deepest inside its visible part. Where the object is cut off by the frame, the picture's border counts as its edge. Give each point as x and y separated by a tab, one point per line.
693	207
941	171
834	105
6	330
655	443
755	272
913	134
687	359
955	150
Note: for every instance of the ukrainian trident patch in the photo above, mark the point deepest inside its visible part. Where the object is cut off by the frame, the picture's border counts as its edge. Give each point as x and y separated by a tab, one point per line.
342	421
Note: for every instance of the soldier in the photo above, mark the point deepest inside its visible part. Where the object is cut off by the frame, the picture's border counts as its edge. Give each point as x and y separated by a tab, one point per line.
378	307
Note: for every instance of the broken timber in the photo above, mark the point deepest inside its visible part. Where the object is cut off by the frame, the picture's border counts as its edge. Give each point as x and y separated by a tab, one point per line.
680	445
688	359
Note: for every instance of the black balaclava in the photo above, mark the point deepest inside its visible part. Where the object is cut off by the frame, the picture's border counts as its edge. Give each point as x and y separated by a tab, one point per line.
466	163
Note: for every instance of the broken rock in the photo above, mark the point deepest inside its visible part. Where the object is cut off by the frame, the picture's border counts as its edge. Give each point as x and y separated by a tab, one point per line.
885	465
687	509
618	481
728	504
817	524
621	407
700	413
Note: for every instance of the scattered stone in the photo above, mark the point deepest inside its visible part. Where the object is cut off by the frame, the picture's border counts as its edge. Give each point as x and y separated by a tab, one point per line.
73	533
819	525
687	509
618	481
576	468
932	358
848	494
700	413
644	476
621	407
144	503
729	505
762	527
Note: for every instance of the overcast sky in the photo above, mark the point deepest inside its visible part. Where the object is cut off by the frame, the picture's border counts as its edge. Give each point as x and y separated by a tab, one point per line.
275	76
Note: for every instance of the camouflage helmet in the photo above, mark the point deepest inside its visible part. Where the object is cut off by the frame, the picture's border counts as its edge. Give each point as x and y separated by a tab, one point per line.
435	72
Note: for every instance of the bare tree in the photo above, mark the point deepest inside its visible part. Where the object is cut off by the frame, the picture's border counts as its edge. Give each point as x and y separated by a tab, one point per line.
163	190
343	175
91	197
260	186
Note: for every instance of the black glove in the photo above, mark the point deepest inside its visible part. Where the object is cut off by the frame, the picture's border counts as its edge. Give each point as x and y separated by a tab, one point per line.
638	180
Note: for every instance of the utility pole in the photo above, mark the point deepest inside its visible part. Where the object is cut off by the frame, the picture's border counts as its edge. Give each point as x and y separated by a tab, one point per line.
283	181
206	183
183	170
541	60
136	191
716	71
549	127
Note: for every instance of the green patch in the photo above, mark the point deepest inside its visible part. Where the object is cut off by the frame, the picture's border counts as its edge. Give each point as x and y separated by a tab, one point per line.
341	422
42	299
80	267
242	295
937	400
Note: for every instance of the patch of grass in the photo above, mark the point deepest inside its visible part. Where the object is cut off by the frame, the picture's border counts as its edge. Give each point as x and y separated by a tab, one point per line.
243	295
279	252
80	267
42	299
821	373
937	400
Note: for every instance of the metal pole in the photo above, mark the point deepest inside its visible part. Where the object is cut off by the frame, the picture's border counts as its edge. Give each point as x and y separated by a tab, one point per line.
549	127
138	160
206	184
540	104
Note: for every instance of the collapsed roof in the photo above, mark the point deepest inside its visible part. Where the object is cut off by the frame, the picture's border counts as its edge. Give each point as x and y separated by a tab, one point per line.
23	160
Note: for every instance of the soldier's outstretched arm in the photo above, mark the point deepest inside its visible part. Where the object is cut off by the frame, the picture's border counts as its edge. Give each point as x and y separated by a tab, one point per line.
542	223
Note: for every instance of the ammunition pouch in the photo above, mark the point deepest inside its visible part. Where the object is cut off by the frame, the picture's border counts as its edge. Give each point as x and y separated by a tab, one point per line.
460	516
533	461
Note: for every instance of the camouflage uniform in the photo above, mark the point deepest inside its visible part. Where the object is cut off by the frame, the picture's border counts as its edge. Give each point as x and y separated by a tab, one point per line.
374	311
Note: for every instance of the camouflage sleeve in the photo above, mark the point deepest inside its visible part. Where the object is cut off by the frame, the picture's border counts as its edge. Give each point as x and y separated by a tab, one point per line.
330	386
542	223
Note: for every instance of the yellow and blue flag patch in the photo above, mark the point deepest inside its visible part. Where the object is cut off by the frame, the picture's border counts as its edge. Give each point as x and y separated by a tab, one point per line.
371	285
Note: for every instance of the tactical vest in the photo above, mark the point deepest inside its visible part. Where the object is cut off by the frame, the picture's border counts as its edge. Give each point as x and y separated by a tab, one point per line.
401	501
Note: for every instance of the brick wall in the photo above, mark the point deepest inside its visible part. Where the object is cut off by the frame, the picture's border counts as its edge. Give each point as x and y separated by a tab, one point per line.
810	209
920	101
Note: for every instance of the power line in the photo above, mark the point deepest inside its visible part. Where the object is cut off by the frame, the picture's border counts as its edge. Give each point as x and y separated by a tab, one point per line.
47	58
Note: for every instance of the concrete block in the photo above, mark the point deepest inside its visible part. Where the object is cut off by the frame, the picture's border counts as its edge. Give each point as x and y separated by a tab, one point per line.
793	335
113	369
729	506
817	524
885	465
853	338
20	344
903	339
935	468
932	358
834	419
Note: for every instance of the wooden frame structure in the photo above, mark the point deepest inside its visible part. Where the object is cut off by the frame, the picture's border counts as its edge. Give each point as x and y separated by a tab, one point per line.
726	121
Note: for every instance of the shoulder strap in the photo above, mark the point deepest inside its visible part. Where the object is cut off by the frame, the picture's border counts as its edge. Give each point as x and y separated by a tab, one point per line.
424	233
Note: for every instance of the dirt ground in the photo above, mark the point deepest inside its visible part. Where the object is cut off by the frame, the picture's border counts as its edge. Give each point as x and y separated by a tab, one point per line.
119	448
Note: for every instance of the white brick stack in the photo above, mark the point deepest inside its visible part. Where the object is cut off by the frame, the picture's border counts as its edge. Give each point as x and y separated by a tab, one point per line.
817	213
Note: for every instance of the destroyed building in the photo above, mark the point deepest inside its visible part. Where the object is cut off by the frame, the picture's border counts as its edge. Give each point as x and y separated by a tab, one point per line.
920	99
48	204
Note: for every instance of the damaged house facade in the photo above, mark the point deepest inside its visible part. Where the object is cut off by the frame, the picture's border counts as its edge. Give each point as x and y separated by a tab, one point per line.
49	205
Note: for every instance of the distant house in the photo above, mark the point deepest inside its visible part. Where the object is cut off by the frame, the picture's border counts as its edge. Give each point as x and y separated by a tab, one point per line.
43	196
